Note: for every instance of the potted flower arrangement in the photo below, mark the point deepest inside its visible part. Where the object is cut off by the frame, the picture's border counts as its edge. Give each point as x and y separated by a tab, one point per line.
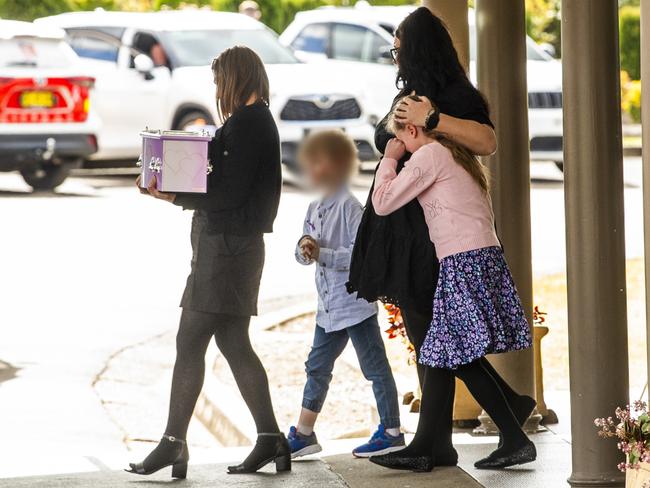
632	429
396	330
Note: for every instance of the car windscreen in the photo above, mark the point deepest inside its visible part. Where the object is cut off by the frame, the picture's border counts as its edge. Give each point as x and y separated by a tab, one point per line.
34	52
200	47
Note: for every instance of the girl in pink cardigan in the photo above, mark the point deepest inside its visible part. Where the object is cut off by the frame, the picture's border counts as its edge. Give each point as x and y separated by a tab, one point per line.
476	308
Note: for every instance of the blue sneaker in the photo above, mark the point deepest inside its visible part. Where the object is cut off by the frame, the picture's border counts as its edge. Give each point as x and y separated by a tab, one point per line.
302	445
380	443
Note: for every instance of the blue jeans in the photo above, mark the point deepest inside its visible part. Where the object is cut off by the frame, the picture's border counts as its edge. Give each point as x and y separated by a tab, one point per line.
368	344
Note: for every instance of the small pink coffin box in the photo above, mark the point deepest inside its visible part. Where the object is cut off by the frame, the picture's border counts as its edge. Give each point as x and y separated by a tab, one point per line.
178	159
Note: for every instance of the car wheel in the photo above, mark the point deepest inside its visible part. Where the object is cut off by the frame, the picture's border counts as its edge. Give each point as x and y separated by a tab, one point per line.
193	118
47	177
560	165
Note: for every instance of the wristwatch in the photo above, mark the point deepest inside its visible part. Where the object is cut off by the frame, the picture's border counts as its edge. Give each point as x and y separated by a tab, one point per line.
433	119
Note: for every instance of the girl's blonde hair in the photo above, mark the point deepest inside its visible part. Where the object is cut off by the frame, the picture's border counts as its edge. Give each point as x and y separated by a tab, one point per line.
461	154
239	74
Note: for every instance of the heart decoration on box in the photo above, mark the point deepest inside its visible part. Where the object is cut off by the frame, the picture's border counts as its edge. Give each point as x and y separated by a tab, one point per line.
178	161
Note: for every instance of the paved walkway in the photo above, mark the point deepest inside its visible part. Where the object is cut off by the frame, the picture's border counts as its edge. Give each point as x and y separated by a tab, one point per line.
336	469
337	472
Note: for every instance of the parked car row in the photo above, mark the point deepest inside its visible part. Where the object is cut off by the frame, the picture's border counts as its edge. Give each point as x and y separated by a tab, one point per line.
152	70
358	39
47	124
81	86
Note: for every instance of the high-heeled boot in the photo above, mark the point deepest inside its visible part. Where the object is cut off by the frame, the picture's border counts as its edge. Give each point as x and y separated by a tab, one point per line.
171	451
268	448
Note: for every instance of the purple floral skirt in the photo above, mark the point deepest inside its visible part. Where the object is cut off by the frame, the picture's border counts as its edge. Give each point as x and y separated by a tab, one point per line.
476	311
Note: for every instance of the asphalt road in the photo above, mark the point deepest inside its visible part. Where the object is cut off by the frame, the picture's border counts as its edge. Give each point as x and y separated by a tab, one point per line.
97	267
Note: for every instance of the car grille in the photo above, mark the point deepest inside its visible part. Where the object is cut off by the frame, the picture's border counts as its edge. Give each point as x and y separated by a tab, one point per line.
320	109
546	143
545	100
365	150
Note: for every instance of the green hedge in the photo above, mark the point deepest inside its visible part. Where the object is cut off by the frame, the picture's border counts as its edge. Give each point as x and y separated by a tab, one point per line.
33	9
277	14
630	40
29	9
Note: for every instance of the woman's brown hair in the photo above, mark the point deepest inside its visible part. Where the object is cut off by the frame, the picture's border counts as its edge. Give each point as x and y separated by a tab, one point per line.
239	74
461	154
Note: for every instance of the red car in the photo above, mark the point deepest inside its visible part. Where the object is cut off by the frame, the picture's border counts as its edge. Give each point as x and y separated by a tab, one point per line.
47	126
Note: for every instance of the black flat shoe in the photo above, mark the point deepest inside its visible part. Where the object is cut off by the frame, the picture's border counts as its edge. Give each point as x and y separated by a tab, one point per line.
449	457
523	409
501	459
393	460
169	452
268	448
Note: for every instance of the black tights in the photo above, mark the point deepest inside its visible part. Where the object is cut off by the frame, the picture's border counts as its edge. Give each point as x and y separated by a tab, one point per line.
434	431
231	335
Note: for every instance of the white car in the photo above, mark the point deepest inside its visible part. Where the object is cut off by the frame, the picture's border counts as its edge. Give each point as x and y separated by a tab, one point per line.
359	38
153	70
47	125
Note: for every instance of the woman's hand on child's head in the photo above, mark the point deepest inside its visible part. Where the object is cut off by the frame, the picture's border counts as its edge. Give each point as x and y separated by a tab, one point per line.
160	195
395	149
412	111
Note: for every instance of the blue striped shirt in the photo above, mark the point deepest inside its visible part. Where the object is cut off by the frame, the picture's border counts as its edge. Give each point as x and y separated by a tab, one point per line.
333	223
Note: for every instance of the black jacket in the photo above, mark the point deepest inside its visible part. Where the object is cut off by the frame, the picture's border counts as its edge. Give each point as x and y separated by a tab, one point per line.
393	259
246	181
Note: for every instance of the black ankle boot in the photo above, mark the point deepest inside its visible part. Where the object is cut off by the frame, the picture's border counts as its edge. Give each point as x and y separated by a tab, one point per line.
169	452
504	458
268	448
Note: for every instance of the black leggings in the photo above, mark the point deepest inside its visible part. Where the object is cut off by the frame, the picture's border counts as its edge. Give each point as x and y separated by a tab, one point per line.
434	431
231	335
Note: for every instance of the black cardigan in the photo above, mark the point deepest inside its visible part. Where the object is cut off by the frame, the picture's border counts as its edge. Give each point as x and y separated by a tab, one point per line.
245	184
393	259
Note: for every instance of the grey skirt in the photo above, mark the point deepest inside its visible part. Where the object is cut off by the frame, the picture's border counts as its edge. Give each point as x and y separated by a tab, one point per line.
226	271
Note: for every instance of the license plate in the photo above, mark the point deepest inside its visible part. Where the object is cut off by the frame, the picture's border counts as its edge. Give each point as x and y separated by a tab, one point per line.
307	131
37	99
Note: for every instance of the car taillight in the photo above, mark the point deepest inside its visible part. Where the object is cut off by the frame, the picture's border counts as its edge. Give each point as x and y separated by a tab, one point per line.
84	84
85	81
45	100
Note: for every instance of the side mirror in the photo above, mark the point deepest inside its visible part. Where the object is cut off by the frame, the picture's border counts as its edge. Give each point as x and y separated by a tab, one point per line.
549	49
384	55
144	65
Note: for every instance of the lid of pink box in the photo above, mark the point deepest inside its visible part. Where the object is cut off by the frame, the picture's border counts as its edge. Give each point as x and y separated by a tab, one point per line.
176	134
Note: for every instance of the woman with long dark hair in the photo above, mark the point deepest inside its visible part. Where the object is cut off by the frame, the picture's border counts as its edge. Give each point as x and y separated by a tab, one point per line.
227	236
394	259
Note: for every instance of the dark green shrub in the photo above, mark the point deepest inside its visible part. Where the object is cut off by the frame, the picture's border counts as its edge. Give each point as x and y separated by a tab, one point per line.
30	10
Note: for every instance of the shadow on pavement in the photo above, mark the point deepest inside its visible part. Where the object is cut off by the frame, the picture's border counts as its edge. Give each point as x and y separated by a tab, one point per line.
43	194
7	372
304	475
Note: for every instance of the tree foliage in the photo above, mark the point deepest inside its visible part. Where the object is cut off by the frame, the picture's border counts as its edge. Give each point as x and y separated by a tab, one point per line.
630	40
543	22
542	16
29	10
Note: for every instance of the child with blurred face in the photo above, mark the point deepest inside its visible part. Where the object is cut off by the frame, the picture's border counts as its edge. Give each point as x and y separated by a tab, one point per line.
328	159
329	231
